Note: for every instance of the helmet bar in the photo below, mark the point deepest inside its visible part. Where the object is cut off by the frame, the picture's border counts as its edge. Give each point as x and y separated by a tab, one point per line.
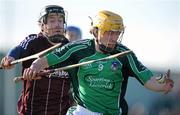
51	9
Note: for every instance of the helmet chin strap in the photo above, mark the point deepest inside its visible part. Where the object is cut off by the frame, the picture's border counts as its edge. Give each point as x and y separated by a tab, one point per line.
121	37
57	38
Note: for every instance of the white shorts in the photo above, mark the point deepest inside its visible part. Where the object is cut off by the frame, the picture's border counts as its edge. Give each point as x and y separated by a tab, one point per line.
83	111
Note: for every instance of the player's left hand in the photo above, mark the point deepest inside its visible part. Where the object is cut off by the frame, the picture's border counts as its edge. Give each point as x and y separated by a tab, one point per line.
169	83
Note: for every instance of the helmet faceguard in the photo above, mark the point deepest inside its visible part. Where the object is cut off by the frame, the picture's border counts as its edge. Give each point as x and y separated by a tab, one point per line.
105	49
51	9
58	39
43	20
108	21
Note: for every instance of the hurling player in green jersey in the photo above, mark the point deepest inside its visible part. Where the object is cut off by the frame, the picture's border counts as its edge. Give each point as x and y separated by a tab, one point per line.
97	86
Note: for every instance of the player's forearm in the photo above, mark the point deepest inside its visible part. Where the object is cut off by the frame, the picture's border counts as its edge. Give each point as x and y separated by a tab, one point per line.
39	64
16	52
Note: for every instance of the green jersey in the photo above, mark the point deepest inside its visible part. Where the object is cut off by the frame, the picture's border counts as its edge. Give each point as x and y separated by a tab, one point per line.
97	86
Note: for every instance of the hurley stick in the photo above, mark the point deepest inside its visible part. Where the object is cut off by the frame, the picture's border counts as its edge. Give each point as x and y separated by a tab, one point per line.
38	55
17	79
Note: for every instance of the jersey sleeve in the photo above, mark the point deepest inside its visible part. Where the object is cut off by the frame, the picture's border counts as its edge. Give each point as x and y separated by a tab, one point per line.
133	67
56	56
16	52
64	54
23	48
138	70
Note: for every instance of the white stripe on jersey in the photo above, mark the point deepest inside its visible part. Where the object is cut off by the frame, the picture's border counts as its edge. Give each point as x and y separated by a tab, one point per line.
62	93
26	41
33	97
47	99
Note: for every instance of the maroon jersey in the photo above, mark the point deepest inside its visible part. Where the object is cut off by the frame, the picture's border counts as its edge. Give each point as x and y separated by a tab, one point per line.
47	96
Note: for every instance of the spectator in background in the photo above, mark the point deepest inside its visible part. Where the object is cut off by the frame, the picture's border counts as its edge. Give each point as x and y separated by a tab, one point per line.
73	33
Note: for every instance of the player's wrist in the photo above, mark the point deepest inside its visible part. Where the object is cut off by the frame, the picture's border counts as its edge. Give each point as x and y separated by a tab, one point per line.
39	64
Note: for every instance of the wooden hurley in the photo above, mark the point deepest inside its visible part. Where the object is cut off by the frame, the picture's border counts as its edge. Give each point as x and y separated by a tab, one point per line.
38	55
17	79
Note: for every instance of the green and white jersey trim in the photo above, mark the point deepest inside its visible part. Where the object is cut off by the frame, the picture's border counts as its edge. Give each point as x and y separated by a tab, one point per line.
54	59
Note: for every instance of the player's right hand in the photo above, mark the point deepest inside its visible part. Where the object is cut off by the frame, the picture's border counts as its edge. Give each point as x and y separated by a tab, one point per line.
30	74
6	62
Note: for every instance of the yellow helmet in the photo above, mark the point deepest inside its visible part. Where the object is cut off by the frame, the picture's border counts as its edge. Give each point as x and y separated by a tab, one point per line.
108	21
